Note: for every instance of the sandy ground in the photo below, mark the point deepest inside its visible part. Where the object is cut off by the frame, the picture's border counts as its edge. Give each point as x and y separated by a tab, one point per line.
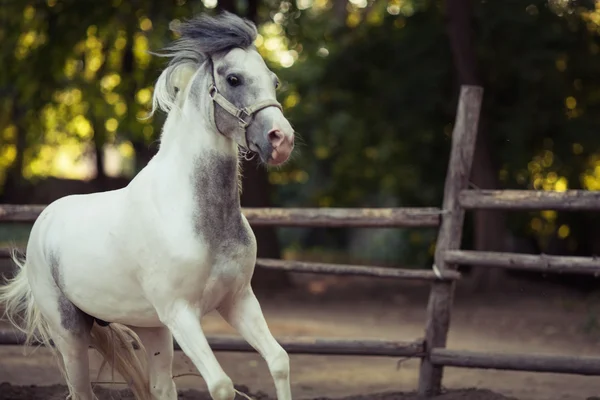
525	319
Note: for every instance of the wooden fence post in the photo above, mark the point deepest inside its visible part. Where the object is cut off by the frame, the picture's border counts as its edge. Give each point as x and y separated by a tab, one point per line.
464	137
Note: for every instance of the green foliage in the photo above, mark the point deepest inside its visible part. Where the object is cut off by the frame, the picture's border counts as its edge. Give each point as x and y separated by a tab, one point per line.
372	94
376	112
76	72
373	114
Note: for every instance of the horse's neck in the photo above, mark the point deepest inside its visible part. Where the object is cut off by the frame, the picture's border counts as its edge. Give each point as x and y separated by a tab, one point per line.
201	162
195	160
186	139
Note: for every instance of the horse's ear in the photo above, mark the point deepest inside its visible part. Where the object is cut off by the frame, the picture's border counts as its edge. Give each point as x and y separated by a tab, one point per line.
181	76
162	99
171	83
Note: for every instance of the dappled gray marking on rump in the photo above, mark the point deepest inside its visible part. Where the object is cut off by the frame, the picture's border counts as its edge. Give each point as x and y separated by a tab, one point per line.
71	318
53	260
218	216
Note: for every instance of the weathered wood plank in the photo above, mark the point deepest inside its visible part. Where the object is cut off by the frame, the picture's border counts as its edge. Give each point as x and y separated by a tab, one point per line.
356	270
570	200
441	296
293	345
299	217
335	269
529	262
579	365
344	217
20	212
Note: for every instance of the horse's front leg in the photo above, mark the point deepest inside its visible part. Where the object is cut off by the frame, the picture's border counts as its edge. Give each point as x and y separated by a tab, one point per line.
159	350
243	312
184	323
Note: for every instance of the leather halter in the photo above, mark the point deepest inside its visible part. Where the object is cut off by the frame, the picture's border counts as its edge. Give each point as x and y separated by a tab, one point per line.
244	115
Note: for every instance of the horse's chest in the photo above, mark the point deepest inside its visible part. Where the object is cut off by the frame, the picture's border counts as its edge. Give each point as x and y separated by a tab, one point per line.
223	230
209	284
223	282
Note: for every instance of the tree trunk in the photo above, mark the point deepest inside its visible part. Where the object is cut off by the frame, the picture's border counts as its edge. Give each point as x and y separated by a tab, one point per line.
143	154
256	193
14	174
99	140
489	226
340	12
227	5
252	12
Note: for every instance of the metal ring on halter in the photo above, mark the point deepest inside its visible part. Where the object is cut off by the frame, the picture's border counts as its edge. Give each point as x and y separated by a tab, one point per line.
252	154
242	121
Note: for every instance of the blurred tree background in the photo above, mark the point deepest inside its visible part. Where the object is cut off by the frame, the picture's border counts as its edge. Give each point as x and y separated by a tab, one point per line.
370	86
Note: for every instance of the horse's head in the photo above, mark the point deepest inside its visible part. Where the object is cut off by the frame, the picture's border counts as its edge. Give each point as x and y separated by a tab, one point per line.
243	80
240	88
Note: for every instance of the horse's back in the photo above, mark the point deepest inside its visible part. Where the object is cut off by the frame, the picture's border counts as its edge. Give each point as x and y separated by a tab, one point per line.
80	242
75	217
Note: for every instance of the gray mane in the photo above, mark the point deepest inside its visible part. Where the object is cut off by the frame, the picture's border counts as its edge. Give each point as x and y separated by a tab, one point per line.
199	39
205	35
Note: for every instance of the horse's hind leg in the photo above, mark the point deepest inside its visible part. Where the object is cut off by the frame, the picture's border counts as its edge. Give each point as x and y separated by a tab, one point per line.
158	343
74	352
69	329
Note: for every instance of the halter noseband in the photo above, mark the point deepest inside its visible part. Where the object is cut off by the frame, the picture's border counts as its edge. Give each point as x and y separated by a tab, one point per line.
243	115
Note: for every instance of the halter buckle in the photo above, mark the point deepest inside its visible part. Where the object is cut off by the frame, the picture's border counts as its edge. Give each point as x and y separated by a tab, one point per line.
243	117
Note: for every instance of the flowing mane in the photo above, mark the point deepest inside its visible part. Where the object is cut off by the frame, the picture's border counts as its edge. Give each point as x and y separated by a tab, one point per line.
199	38
210	35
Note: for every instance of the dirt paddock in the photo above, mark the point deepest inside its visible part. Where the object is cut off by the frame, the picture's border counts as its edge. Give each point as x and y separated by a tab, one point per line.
56	392
521	318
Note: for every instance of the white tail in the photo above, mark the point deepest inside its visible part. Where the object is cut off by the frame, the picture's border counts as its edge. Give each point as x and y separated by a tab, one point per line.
19	305
114	342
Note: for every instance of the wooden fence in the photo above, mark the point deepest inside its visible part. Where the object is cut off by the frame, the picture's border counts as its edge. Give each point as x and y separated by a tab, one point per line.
457	199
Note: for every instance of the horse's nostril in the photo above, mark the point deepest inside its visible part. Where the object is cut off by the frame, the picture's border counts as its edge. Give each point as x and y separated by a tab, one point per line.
275	137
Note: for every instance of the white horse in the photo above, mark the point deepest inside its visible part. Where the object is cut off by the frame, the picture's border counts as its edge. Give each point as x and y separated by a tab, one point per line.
149	260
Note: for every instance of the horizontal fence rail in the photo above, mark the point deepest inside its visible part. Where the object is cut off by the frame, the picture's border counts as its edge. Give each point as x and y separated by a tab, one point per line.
448	255
344	217
334	269
570	200
293	217
293	345
516	362
357	270
526	262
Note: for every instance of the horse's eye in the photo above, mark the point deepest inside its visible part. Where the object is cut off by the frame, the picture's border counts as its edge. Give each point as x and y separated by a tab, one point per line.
233	80
277	84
